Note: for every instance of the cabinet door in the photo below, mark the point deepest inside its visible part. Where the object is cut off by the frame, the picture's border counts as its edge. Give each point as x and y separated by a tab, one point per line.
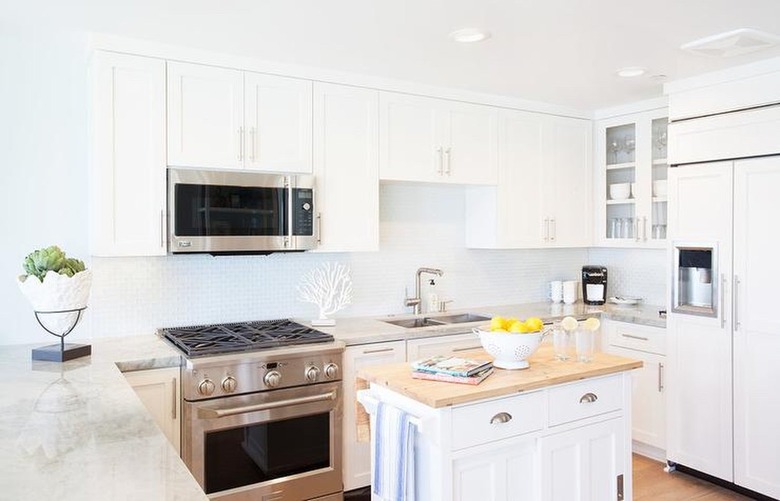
205	116
471	155
757	329
357	455
585	464
568	191
411	141
648	414
346	164
278	123
699	351
159	391
504	473
417	349
128	164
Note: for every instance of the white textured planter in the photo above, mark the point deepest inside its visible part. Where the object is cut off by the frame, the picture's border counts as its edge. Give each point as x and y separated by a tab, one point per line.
56	293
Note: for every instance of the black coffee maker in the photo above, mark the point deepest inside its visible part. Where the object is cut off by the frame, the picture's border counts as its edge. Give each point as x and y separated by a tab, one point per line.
594	284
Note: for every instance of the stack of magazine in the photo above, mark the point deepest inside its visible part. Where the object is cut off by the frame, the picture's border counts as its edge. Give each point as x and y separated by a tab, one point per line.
452	369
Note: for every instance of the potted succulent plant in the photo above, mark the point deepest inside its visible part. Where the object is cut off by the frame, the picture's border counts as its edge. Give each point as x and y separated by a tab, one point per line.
58	289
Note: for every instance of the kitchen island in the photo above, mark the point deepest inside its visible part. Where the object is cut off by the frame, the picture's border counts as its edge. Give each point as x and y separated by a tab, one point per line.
555	431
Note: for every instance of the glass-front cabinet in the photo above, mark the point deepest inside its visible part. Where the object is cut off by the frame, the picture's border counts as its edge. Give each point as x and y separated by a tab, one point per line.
631	185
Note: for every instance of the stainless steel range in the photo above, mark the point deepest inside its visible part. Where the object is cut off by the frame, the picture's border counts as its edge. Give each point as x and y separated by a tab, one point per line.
262	410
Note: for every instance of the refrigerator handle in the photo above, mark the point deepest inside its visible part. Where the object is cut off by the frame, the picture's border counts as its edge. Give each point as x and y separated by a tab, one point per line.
736	303
722	300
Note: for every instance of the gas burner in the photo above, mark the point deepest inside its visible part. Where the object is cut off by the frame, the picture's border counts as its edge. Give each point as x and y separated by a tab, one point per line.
202	340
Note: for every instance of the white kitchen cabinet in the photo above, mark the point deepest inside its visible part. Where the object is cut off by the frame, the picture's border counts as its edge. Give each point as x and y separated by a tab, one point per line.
648	344
417	349
543	196
127	176
756	332
585	464
230	119
356	456
632	149
346	163
433	140
159	391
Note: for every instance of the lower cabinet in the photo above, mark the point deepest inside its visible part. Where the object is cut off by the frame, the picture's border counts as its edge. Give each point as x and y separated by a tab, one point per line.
505	473
649	394
159	390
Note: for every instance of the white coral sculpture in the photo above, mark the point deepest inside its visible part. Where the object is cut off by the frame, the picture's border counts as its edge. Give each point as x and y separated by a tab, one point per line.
329	287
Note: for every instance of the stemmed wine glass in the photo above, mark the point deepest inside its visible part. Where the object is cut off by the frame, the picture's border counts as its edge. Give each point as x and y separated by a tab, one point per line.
629	144
614	147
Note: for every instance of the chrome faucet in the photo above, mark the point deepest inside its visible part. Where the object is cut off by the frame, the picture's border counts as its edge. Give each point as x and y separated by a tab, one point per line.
416	301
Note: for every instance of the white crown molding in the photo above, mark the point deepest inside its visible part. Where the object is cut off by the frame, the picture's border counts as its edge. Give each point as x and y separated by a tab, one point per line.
656	103
754	69
114	43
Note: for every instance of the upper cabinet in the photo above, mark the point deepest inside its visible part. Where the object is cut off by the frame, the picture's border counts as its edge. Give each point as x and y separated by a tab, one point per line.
127	176
435	140
631	186
543	194
231	119
346	163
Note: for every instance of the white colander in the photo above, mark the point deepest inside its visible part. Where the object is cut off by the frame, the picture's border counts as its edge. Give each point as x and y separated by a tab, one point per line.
510	350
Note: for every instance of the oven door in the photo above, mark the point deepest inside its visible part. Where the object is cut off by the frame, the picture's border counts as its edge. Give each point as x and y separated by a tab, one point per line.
277	445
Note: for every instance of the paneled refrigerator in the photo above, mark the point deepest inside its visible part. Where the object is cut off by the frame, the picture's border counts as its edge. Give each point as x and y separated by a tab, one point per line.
724	321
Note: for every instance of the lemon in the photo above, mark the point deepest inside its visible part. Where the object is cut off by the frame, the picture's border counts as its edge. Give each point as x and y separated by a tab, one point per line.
500	330
591	324
569	323
509	321
496	323
535	324
517	327
525	328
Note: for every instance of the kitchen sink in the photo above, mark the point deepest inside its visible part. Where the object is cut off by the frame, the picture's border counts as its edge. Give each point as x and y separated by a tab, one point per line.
411	323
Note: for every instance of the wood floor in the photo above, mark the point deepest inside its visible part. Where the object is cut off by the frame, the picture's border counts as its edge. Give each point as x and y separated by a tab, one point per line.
652	483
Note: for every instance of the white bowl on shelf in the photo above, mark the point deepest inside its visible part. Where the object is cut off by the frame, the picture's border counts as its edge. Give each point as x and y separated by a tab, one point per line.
660	188
619	191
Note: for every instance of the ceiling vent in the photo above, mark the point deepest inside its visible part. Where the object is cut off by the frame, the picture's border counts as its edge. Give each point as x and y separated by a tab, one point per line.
732	43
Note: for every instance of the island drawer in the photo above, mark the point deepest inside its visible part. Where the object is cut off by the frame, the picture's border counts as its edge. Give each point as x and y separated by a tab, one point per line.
583	400
497	419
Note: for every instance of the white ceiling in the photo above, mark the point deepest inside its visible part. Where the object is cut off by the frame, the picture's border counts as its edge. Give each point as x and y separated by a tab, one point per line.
559	51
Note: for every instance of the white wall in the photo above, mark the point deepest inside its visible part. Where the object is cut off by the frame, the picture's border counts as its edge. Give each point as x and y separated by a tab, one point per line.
634	272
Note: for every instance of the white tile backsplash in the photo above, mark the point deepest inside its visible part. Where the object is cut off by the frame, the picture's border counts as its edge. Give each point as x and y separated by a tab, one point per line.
634	272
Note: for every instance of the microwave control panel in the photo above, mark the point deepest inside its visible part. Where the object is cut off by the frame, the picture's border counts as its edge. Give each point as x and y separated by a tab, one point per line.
303	211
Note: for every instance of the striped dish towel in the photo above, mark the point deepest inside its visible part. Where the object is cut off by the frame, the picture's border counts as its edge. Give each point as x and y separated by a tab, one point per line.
393	455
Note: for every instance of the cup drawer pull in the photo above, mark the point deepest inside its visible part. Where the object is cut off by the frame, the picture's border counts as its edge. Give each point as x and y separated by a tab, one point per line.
501	417
588	398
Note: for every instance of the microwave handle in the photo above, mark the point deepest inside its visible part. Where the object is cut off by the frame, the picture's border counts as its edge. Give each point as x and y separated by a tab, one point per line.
211	413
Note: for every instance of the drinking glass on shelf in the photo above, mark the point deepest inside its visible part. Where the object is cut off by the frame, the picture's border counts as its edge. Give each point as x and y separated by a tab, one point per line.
614	147
585	341
614	228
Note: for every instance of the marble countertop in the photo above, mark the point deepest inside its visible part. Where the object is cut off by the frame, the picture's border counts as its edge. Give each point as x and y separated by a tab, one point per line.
364	330
77	431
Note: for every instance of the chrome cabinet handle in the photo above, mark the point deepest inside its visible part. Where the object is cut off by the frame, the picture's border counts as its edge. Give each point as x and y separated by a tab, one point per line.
631	336
636	230
736	303
644	228
448	153
253	140
588	398
467	348
553	228
440	170
162	228
381	350
660	378
319	227
174	400
241	144
546	229
501	418
722	300
211	413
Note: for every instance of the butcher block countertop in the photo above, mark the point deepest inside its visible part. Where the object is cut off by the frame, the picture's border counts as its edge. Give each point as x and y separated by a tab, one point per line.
544	371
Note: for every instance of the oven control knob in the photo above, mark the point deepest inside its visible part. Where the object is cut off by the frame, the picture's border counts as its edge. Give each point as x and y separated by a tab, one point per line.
272	379
312	373
331	371
229	384
206	387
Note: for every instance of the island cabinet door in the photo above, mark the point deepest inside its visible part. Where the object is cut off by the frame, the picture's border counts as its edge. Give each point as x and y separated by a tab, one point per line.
585	464
505	472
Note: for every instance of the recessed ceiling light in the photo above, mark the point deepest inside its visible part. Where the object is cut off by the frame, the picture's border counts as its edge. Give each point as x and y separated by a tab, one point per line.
631	71
469	35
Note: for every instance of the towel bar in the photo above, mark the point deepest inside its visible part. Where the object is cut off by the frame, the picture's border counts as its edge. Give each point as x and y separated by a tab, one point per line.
370	403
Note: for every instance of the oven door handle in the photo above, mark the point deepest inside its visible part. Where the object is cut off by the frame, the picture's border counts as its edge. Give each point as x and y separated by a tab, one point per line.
211	413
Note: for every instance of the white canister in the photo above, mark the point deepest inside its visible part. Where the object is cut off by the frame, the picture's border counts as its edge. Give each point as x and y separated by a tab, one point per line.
556	291
570	291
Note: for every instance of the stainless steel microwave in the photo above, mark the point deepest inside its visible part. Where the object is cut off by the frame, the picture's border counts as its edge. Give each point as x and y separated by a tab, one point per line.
236	212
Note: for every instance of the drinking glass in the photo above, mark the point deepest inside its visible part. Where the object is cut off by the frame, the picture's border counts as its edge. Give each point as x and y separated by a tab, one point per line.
585	341
561	343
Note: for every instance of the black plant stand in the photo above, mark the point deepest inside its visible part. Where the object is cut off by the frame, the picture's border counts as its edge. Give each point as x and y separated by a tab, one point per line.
63	351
